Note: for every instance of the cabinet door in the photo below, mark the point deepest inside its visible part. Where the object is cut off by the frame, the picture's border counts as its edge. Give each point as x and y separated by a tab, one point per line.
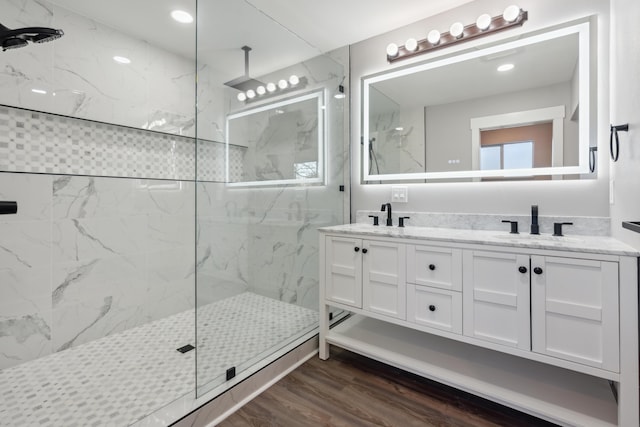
384	278
434	266
574	310
496	297
343	273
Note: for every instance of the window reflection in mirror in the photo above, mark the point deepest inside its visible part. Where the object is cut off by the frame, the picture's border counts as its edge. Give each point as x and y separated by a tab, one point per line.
278	143
423	122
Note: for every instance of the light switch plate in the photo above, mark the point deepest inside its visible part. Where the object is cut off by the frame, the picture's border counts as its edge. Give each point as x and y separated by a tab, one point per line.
399	194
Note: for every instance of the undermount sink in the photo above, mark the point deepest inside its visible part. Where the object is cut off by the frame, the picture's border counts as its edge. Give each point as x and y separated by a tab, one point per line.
540	237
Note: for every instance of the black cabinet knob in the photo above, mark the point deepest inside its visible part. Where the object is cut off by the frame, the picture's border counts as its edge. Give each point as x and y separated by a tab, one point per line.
522	269
432	307
365	250
357	249
537	270
432	267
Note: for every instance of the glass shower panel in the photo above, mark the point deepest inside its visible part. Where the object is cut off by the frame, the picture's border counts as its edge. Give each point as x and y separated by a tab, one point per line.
269	172
97	281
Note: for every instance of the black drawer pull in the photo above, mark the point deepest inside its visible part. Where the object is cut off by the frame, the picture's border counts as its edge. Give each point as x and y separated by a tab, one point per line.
432	307
432	267
522	269
357	249
537	270
365	250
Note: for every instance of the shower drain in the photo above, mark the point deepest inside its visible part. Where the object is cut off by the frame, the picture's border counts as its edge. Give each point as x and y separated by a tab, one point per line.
185	348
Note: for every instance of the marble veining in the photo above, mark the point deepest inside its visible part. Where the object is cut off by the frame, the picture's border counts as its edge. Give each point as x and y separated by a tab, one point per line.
585	244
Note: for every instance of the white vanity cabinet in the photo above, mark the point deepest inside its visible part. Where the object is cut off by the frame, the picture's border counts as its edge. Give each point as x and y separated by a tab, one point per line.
496	297
547	327
366	274
343	270
434	277
574	310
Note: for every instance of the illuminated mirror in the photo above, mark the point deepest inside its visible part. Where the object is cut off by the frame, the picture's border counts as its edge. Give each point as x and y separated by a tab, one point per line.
517	110
278	143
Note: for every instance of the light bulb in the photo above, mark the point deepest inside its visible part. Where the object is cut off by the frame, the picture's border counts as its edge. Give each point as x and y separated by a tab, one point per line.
282	84
411	45
251	94
456	30
392	50
271	87
294	80
483	22
511	13
505	67
260	90
433	37
242	97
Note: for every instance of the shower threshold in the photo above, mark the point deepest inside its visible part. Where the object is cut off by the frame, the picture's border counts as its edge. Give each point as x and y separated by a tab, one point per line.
124	378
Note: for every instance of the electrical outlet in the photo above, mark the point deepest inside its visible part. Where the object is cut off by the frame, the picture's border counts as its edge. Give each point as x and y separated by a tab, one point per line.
399	194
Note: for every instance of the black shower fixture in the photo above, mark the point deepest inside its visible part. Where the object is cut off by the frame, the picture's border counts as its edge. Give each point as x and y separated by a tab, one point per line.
13	39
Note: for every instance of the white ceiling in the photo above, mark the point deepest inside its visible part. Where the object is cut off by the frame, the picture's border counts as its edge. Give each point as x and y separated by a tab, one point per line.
281	32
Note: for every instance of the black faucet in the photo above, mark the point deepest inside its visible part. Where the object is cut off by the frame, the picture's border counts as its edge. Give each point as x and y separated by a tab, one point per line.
535	228
387	207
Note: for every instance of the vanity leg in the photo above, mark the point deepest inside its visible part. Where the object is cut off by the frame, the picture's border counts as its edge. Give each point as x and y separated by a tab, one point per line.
324	328
628	393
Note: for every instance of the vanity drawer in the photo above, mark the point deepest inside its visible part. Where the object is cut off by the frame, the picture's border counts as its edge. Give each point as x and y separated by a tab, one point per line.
435	308
434	266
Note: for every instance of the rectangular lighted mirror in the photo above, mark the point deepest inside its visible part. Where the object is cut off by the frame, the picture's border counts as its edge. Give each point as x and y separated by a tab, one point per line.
475	117
278	143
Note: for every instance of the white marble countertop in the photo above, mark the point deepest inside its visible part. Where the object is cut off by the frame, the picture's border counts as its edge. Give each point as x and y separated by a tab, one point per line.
585	244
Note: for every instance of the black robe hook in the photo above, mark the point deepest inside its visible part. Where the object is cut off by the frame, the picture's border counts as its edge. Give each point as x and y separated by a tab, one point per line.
614	132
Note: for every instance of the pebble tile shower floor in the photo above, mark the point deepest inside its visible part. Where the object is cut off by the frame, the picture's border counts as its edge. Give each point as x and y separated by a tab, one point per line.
120	379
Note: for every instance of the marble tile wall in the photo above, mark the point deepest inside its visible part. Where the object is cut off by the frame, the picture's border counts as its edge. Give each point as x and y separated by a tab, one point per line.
88	256
155	91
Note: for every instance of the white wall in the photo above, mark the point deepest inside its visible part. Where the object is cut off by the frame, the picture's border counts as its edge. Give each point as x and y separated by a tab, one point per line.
572	197
625	108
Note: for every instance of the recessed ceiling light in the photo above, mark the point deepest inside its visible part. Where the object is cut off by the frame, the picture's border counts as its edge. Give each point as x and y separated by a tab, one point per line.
182	16
505	67
121	59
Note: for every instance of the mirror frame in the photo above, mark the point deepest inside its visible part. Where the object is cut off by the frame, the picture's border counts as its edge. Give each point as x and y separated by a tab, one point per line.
320	96
584	112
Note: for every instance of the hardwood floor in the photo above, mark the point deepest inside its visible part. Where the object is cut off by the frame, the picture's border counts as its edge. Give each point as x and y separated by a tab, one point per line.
352	390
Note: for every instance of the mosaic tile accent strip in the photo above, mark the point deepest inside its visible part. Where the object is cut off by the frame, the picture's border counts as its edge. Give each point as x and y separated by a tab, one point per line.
46	143
122	378
211	158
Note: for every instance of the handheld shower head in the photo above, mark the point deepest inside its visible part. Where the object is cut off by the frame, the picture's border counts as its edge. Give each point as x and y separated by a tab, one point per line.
13	39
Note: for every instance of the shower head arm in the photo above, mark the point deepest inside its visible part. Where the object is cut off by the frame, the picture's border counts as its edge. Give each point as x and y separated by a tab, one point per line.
246	49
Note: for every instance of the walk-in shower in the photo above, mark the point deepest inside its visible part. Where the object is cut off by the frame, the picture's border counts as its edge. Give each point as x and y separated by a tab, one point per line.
150	259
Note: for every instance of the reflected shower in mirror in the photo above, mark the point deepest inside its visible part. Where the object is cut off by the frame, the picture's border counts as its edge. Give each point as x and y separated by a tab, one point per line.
277	143
515	110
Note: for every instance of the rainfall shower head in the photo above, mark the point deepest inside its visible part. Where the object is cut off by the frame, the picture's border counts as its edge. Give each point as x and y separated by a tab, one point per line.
244	83
13	39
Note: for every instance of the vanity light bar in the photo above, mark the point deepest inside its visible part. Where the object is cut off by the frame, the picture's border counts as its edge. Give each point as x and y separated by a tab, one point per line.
271	89
484	26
